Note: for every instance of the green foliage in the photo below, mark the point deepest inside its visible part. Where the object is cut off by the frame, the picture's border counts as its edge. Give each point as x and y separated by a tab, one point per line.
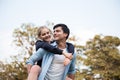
24	39
103	56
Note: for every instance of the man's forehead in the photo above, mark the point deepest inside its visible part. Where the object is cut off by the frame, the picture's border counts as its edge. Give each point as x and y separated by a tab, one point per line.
58	28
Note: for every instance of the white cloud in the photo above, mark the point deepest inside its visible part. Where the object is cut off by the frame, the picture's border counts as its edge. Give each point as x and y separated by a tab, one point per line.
83	35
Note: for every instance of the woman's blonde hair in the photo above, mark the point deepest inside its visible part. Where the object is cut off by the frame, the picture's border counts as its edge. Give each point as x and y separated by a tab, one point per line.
40	30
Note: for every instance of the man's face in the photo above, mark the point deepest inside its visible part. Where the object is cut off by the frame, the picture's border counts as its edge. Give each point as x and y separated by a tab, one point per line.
59	34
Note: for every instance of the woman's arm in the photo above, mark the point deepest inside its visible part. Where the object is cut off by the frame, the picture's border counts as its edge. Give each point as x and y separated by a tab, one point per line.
48	47
55	50
36	56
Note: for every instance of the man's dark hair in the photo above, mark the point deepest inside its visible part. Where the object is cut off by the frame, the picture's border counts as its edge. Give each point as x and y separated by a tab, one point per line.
64	28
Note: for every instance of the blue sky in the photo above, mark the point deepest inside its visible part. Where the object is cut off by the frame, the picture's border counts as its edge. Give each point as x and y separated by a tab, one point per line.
85	18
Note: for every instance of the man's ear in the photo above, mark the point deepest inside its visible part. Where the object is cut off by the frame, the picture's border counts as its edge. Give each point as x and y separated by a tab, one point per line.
65	34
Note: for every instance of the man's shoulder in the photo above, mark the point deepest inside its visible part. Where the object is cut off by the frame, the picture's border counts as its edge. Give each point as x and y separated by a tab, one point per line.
68	43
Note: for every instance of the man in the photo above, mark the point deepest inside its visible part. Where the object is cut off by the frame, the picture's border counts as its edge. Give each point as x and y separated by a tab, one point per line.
52	64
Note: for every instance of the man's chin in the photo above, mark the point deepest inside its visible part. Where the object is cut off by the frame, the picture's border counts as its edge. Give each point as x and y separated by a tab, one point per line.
55	38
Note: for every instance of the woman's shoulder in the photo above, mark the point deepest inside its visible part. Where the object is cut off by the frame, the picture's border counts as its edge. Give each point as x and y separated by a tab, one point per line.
38	41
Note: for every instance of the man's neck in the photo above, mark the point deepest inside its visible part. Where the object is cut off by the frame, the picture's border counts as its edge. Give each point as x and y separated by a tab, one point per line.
61	44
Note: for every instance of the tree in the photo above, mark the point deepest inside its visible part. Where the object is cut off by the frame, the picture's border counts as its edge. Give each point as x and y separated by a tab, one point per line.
24	39
103	57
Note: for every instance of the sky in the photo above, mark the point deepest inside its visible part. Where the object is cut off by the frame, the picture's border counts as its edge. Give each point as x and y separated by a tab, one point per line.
85	18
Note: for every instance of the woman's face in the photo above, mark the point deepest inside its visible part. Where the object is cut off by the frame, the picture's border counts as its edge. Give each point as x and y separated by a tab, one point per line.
45	35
